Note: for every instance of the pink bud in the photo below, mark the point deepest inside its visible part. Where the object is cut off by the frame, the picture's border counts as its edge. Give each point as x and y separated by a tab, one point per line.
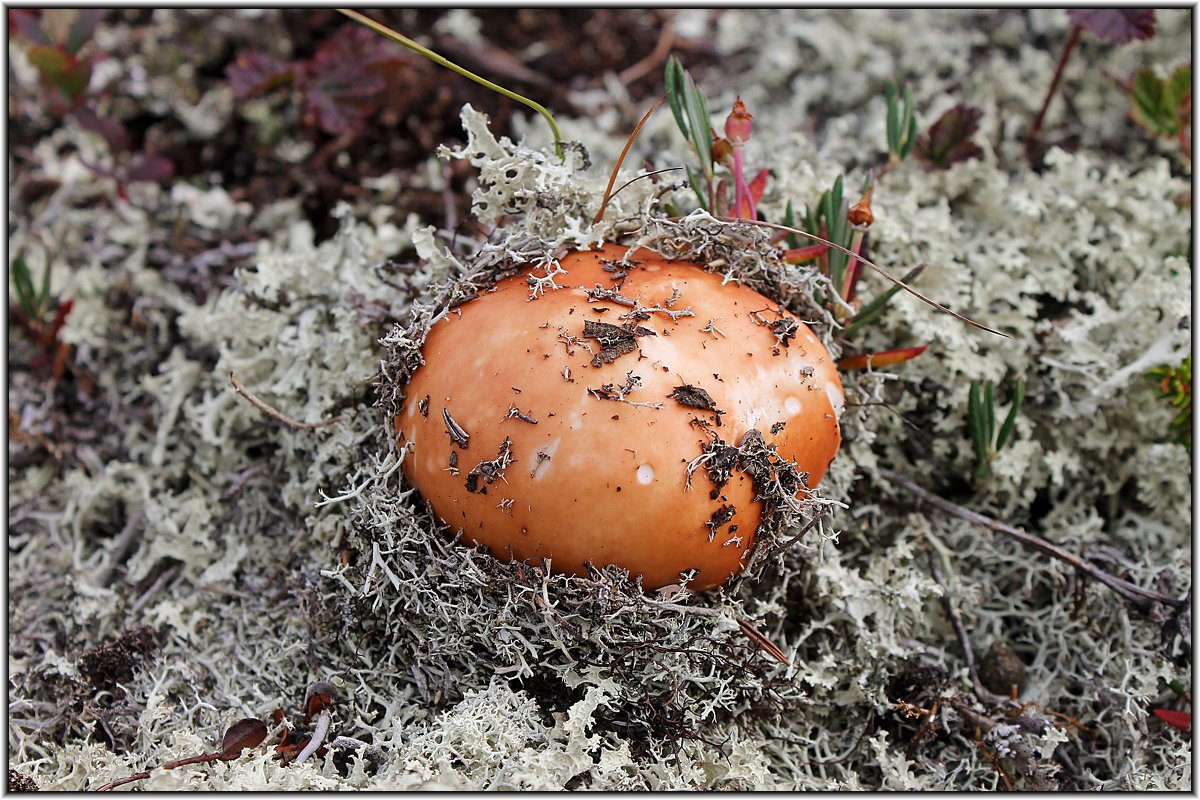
739	124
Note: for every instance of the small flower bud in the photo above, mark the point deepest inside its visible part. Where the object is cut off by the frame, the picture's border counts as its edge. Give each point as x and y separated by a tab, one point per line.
739	124
860	213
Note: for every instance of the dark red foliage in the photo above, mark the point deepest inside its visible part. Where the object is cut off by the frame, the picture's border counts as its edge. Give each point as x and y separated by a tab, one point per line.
1118	25
948	141
254	71
242	735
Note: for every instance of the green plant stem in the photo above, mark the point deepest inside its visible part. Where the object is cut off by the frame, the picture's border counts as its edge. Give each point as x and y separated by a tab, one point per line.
400	38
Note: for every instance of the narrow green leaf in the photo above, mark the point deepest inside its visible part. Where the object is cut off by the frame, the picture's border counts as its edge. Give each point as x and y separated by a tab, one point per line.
906	122
43	300
82	28
23	283
1011	420
699	125
707	136
975	422
989	414
789	219
673	79
893	118
837	228
910	139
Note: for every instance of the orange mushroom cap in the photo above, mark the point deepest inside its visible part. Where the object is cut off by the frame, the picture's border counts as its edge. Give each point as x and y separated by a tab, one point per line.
554	428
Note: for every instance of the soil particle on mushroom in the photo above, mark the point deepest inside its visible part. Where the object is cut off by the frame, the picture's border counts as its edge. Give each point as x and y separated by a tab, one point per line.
489	471
614	340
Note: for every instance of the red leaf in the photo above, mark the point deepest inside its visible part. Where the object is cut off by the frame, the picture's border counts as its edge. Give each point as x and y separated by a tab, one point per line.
758	185
255	71
1118	25
340	82
1176	719
799	255
948	141
148	167
885	358
113	131
242	735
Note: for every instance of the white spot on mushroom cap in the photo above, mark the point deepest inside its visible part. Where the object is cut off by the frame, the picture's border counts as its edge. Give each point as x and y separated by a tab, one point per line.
792	406
645	474
836	397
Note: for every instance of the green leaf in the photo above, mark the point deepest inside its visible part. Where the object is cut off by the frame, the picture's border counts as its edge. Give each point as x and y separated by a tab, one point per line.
910	137
975	422
836	230
60	69
789	219
673	79
23	284
893	118
697	116
706	133
1161	106
82	28
989	414
1011	420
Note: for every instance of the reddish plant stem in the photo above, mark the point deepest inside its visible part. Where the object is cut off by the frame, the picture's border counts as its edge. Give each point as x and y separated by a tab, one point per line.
141	776
1035	133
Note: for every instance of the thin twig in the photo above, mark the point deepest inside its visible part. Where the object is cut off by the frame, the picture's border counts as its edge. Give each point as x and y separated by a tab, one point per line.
964	641
1140	598
278	415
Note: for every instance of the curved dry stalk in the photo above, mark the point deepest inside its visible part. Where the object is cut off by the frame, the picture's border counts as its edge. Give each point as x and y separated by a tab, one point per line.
620	159
278	415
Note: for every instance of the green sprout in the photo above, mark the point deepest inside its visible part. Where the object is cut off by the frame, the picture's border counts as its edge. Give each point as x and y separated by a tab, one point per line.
981	419
35	303
901	126
691	115
1175	386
